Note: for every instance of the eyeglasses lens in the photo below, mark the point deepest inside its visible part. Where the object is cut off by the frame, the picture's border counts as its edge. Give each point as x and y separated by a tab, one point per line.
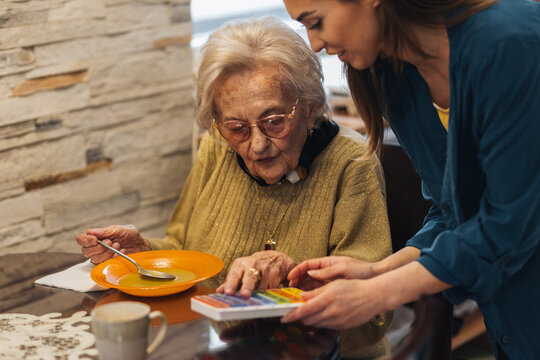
275	126
234	131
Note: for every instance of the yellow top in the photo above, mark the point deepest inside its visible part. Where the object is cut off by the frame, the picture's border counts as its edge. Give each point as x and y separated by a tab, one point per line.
444	114
339	209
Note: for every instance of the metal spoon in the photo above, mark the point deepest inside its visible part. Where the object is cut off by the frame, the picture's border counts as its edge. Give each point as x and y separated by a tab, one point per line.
145	272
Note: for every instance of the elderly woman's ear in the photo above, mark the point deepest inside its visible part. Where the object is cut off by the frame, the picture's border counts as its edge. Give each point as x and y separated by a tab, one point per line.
311	109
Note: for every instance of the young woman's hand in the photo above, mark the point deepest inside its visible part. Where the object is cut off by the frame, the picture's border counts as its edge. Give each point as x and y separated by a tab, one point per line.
125	238
262	270
342	304
313	273
339	304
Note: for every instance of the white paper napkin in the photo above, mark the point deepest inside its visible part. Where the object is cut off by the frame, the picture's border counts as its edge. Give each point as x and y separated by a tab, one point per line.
75	278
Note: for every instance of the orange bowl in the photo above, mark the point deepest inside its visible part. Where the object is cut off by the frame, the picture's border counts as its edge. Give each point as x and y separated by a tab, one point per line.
204	266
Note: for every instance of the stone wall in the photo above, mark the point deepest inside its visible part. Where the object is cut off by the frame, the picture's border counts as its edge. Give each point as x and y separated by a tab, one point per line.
96	117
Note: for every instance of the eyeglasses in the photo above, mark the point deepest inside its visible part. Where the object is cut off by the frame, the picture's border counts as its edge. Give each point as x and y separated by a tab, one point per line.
274	126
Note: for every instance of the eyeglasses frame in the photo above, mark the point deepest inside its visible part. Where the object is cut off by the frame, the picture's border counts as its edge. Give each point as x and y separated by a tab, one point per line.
288	117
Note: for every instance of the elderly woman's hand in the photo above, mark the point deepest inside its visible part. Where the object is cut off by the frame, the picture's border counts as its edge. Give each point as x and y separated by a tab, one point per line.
125	238
262	270
314	273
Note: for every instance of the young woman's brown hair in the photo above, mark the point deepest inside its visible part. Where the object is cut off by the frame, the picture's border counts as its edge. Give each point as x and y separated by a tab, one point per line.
364	84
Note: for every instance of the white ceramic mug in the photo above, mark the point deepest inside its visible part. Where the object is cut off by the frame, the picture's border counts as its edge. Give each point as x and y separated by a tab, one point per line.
121	330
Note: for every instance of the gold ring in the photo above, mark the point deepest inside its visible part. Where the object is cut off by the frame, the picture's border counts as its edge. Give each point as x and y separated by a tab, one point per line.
92	261
256	273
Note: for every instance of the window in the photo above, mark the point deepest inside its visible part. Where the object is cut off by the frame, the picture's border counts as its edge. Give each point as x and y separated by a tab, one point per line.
208	15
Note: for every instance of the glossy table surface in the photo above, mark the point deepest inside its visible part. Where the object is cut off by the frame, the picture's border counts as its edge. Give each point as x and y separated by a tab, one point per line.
39	322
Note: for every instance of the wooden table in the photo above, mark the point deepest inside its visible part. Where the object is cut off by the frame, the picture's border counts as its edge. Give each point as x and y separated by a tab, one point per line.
56	321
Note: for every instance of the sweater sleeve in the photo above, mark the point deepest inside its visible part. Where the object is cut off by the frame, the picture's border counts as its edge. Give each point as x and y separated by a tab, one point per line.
178	224
360	225
360	229
499	239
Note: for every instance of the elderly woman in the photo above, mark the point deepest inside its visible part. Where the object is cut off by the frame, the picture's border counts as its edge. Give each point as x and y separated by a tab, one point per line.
275	181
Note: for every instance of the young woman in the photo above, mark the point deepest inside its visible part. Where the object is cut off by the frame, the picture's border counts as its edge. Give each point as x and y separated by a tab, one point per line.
459	83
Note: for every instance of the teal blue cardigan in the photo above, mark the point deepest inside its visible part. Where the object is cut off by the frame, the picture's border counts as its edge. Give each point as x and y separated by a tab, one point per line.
482	234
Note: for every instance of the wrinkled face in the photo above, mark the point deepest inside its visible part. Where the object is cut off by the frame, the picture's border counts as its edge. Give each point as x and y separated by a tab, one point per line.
253	95
352	30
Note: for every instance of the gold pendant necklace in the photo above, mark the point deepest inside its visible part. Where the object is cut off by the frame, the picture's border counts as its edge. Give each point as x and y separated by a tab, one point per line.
270	243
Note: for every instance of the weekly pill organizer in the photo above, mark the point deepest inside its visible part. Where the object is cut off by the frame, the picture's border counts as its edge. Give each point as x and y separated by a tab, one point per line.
261	304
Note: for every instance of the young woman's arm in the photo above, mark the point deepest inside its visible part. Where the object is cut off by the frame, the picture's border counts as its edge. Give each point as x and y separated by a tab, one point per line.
342	304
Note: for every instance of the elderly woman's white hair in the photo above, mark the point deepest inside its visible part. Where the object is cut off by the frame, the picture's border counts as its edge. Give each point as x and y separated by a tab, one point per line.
245	45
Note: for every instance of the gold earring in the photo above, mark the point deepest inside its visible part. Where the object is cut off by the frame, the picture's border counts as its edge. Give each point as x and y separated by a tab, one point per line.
310	132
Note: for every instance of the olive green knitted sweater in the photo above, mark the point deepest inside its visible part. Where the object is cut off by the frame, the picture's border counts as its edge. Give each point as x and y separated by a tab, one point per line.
339	209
